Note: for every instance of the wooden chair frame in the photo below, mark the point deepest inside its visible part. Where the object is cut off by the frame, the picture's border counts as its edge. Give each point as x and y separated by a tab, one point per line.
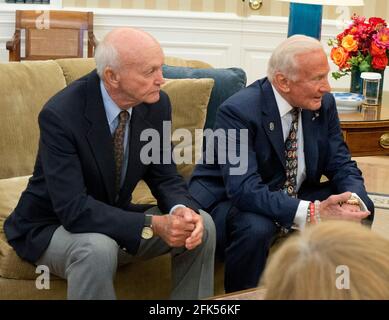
31	20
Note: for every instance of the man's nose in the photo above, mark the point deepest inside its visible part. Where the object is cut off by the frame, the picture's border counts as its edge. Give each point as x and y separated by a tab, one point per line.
160	79
325	87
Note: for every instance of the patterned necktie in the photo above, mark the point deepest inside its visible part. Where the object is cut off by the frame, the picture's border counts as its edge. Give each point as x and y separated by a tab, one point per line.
118	147
291	156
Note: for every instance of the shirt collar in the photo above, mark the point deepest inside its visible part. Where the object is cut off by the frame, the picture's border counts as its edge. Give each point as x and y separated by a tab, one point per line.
283	106
112	110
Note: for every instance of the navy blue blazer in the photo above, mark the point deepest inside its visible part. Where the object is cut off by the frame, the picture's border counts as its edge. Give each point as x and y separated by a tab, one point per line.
73	183
259	189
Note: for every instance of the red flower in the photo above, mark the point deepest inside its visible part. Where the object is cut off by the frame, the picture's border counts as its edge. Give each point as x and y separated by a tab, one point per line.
380	62
377	23
376	50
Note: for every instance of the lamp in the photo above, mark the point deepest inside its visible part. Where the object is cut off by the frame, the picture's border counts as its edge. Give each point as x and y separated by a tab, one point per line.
305	15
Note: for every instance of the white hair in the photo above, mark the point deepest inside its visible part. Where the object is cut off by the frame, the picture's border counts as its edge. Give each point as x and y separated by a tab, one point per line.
283	59
106	55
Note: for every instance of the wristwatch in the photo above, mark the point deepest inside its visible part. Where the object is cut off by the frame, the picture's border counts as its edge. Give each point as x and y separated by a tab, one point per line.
147	231
355	200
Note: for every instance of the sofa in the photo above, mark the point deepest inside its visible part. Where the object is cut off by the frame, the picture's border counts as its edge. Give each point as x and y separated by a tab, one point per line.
24	88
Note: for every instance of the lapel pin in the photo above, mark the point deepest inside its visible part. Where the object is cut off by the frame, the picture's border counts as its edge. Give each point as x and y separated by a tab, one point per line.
271	126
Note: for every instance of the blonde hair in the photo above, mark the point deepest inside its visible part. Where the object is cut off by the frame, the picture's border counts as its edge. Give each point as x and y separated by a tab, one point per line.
313	265
283	58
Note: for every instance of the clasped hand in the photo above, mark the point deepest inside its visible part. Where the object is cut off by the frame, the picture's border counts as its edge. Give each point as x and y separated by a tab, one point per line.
183	227
336	207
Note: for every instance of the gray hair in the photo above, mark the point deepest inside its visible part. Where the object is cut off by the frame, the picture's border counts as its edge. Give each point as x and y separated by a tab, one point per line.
283	59
106	55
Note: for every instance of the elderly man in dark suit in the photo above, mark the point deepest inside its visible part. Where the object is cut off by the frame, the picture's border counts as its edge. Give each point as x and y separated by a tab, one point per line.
287	137
76	215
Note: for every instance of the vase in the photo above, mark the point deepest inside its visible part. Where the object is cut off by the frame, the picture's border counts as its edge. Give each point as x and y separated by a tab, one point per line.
356	81
356	84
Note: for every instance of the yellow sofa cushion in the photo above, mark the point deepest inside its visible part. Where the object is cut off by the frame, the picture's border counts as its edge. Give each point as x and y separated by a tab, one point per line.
178	62
76	68
10	191
189	99
24	89
11	266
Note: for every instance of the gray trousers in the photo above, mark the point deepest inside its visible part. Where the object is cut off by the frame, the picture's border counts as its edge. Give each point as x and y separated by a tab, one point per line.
89	261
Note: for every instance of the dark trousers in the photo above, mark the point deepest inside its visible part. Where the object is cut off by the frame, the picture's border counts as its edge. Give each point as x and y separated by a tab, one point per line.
243	240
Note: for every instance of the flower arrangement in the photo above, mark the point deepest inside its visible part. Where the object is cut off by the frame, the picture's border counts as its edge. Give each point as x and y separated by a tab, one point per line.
363	46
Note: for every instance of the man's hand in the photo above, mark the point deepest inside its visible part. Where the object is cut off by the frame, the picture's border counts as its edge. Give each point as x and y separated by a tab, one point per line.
183	227
196	236
335	207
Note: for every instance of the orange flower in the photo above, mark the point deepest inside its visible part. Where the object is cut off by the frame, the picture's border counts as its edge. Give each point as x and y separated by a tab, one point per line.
339	55
349	43
375	50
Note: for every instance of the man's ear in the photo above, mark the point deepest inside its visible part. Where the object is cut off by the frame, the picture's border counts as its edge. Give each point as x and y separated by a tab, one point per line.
111	77
281	82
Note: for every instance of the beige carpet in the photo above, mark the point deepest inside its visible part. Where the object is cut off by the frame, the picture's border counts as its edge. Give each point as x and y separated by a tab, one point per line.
380	200
381	222
376	172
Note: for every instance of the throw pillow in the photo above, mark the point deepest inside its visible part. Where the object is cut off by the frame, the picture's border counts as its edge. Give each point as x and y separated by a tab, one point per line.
75	68
227	82
179	62
189	99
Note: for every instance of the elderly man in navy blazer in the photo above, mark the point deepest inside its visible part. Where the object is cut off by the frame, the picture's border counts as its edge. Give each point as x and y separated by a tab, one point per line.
76	215
287	136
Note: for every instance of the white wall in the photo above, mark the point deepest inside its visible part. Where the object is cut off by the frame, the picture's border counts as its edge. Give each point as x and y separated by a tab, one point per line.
221	39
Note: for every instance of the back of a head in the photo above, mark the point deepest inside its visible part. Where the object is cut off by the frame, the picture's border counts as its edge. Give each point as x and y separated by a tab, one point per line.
283	57
333	260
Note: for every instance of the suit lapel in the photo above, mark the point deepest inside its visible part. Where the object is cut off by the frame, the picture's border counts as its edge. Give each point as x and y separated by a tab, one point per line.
310	130
272	121
99	135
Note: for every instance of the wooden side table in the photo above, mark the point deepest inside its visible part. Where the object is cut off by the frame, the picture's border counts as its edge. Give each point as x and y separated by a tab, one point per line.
366	132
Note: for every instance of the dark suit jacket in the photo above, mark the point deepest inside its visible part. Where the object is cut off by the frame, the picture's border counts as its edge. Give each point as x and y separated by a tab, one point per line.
258	190
73	183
